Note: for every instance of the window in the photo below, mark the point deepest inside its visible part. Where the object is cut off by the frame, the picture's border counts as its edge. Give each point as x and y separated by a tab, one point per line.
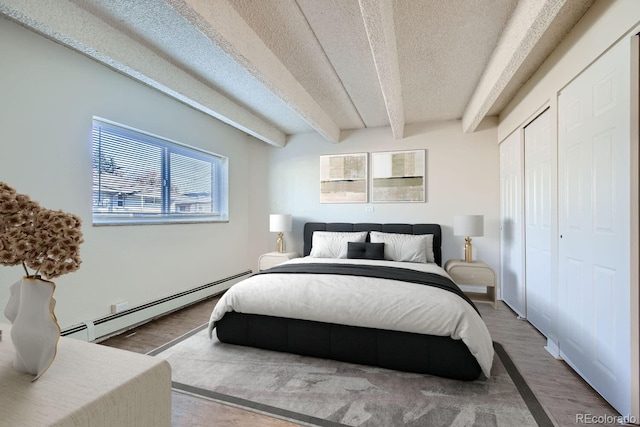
140	178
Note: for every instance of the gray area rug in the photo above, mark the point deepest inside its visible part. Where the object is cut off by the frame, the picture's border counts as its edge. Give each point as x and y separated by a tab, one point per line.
321	392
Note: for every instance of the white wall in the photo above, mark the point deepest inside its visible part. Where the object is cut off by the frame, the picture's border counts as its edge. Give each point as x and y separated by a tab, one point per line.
260	240
48	97
603	24
462	178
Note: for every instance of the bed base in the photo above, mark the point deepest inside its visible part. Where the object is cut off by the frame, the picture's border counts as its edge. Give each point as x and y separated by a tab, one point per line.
403	351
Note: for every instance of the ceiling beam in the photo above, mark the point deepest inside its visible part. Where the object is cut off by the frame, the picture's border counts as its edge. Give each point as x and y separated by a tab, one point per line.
525	28
76	28
219	21
378	22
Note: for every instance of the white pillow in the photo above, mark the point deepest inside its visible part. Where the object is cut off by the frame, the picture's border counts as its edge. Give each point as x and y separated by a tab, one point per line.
405	247
329	244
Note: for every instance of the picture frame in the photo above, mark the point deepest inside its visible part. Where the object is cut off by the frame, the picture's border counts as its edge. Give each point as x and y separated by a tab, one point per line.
343	178
398	176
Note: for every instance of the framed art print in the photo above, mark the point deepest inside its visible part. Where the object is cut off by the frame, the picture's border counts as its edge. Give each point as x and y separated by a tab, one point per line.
343	178
398	176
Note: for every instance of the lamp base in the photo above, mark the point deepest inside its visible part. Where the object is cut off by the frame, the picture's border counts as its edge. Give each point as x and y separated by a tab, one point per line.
280	243
468	250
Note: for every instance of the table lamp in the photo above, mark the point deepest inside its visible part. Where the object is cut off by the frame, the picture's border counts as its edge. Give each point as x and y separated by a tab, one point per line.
279	223
468	226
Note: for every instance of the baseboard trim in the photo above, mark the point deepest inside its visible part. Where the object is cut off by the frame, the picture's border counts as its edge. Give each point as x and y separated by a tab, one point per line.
553	349
104	327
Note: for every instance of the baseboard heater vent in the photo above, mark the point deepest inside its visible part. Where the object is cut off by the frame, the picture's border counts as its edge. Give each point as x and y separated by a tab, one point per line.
113	323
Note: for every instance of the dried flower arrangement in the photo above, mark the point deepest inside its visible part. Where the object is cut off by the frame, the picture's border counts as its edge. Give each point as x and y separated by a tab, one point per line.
44	240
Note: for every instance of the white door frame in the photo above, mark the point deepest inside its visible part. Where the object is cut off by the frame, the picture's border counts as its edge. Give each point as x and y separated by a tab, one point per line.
635	226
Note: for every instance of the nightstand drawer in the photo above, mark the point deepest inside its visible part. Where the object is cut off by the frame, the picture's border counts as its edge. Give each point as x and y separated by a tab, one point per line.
473	275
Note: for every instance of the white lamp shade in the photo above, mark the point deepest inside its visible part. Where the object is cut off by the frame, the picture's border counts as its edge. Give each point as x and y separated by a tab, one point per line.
279	223
468	225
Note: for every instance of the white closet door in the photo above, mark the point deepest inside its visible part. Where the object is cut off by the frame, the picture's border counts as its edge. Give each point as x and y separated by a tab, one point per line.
537	217
511	227
594	225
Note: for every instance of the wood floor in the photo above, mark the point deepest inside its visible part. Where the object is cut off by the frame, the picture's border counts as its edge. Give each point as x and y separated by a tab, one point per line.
560	390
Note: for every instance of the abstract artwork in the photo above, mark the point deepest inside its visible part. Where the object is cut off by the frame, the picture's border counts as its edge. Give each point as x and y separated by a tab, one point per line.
398	176
343	178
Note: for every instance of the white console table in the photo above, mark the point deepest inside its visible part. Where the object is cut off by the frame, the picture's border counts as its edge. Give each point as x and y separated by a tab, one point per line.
87	385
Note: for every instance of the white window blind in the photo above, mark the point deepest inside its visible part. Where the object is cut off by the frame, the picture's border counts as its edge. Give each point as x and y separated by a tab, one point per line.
140	178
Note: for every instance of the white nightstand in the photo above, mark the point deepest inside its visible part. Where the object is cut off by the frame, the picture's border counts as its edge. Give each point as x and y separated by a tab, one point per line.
272	259
475	273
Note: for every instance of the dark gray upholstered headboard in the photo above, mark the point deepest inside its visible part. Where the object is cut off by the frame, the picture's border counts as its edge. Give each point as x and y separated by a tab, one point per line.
434	229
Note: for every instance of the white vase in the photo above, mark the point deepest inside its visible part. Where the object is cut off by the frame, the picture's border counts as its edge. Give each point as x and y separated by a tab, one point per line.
11	309
35	331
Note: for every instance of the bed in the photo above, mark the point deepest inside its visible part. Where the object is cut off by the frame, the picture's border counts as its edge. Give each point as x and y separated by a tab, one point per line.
371	294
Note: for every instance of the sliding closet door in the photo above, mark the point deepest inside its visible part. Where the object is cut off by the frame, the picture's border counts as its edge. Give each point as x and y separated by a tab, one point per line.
511	227
594	225
537	218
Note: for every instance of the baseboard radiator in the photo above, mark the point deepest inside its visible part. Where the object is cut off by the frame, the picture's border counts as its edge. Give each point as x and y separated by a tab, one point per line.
113	324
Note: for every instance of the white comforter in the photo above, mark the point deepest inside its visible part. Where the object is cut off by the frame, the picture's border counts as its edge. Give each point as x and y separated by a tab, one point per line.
365	302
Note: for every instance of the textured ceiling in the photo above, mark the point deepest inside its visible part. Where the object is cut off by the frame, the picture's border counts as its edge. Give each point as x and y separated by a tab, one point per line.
273	68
